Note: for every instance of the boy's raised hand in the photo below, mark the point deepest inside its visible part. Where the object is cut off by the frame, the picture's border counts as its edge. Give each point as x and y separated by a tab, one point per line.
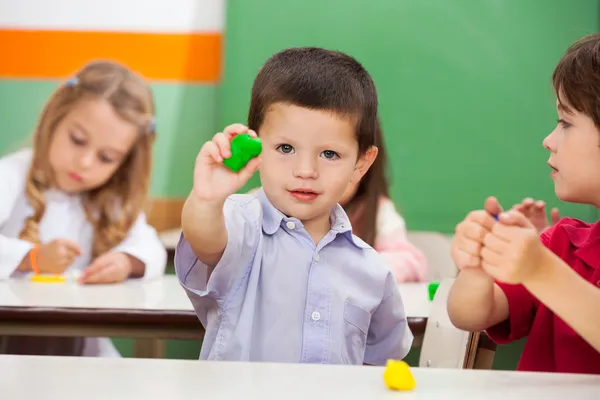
470	233
535	211
213	181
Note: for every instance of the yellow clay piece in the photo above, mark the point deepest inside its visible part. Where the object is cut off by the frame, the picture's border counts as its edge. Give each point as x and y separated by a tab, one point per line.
397	376
48	278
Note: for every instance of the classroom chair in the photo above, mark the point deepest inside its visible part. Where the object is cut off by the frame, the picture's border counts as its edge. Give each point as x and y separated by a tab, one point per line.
445	346
436	249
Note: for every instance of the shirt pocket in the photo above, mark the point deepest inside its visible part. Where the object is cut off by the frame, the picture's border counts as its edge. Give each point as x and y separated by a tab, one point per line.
356	327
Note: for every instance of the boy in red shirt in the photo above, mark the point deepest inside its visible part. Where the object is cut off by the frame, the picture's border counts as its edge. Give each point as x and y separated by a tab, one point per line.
513	284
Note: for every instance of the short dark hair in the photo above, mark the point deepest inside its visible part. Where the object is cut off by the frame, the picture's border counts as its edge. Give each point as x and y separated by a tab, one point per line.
319	79
576	78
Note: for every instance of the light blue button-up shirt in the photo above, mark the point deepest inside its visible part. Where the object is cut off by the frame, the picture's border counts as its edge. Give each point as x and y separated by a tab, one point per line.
276	296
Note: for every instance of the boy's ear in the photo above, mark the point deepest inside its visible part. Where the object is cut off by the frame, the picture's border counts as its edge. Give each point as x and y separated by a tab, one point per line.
363	164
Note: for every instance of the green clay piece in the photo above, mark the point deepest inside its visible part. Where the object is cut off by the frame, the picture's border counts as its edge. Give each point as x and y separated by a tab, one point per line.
433	287
243	149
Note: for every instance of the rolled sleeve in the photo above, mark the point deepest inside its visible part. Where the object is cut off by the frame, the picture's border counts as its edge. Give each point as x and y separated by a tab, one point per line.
143	243
13	175
389	335
242	237
12	253
521	310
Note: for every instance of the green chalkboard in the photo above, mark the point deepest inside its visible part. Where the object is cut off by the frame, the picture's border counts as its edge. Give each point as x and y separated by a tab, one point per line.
464	87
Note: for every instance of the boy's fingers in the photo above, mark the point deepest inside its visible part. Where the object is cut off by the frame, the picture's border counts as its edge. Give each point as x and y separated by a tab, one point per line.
466	260
540	205
234	129
469	246
515	218
528	202
492	206
222	142
211	151
474	231
483	218
250	168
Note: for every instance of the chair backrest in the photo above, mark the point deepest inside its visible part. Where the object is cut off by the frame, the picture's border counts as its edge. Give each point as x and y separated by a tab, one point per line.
444	345
436	249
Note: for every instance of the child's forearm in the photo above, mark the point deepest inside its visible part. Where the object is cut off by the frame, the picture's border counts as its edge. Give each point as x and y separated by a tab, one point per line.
203	226
475	303
570	297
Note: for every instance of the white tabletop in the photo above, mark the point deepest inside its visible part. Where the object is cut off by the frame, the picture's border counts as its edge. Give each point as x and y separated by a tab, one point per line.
161	294
51	378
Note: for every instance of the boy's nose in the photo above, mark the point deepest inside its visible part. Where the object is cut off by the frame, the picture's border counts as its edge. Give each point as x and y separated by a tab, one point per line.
306	169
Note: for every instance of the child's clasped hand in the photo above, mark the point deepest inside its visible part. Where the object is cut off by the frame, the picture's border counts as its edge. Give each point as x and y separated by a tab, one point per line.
507	249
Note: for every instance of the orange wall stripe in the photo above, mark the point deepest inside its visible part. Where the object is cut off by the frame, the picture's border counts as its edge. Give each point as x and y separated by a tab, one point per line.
188	57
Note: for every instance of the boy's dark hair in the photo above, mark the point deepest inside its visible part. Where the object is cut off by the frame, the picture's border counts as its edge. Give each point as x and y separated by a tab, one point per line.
576	78
317	79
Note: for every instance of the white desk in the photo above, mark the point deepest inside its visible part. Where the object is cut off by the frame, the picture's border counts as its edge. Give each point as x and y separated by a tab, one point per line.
162	295
53	378
156	309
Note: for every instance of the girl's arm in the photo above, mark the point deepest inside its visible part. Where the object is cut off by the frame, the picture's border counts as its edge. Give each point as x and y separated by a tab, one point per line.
146	251
407	263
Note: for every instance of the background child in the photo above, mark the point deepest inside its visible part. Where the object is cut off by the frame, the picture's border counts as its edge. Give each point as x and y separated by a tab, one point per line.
278	276
515	285
375	220
74	202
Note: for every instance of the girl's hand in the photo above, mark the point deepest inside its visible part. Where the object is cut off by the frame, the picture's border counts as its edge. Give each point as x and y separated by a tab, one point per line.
213	181
110	267
56	256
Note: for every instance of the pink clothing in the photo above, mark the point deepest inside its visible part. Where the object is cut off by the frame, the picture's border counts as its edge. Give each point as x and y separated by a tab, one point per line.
407	263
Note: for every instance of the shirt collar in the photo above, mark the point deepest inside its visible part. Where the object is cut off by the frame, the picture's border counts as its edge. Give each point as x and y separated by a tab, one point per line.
586	239
273	219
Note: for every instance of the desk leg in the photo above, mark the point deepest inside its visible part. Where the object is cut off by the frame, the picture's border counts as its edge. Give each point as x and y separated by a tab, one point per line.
149	348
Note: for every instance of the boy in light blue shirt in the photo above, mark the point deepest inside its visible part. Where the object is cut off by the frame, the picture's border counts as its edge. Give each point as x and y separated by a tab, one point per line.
278	276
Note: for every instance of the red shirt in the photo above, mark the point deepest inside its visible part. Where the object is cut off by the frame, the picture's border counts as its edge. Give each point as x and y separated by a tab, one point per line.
552	346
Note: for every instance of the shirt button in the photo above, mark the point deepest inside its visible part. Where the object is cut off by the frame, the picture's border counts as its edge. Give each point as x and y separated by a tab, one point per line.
315	316
290	225
317	257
